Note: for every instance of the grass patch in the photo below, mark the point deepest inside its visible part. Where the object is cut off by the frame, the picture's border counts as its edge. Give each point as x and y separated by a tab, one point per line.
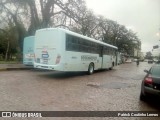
10	62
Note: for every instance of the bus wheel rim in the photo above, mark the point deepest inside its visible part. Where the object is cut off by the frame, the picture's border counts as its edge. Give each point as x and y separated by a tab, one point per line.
91	69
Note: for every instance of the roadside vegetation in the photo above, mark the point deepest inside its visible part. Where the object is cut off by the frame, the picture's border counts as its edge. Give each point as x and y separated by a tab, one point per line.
21	18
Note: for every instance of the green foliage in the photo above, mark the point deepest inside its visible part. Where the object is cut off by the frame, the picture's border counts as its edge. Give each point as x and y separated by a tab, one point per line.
23	17
8	42
149	55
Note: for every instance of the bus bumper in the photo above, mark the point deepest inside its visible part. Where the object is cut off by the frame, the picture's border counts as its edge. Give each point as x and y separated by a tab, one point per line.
47	67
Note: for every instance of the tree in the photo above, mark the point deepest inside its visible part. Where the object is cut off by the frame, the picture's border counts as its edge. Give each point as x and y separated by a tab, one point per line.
13	16
149	55
29	15
8	42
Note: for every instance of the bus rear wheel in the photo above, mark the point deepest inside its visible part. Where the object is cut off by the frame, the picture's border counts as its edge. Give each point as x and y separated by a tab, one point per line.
111	66
91	68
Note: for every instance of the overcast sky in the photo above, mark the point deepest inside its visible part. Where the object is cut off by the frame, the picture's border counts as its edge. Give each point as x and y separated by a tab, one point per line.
142	16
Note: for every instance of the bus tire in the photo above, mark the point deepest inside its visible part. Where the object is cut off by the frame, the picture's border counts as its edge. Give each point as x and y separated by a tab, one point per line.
142	97
112	66
91	68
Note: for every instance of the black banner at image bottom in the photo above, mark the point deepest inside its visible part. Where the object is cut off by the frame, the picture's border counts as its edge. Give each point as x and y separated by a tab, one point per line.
79	114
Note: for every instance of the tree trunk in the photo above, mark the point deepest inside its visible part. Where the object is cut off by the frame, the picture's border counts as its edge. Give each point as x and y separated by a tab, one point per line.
6	55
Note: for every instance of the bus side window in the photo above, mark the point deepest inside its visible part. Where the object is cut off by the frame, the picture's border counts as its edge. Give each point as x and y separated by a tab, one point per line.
105	50
101	51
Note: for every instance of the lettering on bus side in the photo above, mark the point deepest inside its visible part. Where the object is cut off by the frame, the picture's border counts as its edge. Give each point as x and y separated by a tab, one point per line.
88	58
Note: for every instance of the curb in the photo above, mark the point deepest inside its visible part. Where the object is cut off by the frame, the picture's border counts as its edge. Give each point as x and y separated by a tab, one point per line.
10	69
3	69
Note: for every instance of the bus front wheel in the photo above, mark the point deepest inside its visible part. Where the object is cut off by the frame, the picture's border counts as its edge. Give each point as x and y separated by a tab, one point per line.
91	68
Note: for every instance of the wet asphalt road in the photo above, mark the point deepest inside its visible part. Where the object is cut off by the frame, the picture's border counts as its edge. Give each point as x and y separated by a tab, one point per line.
39	90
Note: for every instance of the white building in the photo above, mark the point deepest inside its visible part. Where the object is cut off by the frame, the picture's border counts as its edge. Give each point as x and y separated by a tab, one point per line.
141	55
156	52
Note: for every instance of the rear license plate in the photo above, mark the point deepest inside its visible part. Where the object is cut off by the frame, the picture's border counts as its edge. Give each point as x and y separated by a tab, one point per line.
45	56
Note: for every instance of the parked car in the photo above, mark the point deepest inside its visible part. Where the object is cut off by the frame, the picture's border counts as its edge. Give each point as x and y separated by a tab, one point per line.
145	60
128	60
158	62
135	60
151	83
155	60
150	61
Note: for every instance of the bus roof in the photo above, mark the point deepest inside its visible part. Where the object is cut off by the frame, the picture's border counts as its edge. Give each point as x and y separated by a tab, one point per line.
78	35
29	36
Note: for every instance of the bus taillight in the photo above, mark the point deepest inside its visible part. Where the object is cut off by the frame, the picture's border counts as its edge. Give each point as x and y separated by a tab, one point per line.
58	59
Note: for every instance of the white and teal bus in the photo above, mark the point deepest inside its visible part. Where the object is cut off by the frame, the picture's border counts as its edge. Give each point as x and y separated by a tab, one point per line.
62	50
28	50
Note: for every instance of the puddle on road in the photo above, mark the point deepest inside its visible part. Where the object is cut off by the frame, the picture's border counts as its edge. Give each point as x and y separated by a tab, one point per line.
111	85
116	85
93	85
131	77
